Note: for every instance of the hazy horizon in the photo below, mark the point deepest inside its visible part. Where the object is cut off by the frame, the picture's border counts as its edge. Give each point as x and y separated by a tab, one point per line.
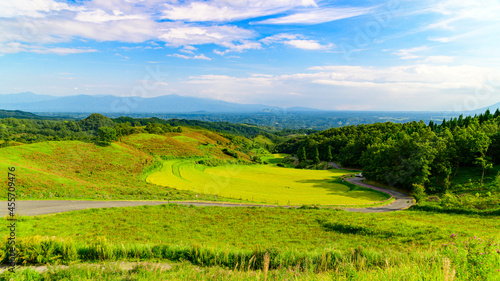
433	55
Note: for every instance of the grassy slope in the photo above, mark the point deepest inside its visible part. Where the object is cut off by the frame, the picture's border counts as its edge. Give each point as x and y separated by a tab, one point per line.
54	169
73	169
263	183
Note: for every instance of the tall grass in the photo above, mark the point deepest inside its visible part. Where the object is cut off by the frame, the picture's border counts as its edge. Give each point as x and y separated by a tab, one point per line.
470	259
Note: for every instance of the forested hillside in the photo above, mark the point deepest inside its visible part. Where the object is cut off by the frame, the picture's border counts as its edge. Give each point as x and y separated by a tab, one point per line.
409	154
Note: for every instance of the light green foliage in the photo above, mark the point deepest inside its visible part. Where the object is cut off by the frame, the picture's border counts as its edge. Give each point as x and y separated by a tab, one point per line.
418	192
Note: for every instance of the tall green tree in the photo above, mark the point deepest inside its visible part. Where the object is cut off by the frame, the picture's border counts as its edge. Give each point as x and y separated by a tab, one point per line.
105	135
316	156
329	156
481	142
301	154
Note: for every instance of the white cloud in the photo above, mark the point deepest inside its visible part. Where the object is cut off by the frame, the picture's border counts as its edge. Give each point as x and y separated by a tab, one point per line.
296	41
222	11
318	16
418	76
243	46
408	54
409	87
30	8
442	39
122	56
15	47
307	45
485	10
188	49
195	57
39	22
180	35
439	59
99	16
279	38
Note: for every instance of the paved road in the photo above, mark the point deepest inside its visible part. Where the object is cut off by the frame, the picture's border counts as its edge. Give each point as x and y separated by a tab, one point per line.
43	207
401	202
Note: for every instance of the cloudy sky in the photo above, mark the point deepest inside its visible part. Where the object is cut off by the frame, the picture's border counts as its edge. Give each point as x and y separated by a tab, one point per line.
337	55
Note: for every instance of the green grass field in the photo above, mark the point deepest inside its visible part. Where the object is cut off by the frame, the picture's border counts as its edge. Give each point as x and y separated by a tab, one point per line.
301	244
263	183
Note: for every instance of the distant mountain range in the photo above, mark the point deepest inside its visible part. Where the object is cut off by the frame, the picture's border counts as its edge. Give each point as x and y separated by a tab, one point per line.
112	104
175	104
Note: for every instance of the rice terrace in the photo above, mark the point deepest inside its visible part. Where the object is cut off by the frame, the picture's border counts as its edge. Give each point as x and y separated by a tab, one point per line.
264	183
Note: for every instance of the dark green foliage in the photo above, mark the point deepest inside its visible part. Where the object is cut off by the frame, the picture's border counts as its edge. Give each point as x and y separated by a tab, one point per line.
124	129
95	121
105	135
316	156
411	153
301	154
329	156
230	152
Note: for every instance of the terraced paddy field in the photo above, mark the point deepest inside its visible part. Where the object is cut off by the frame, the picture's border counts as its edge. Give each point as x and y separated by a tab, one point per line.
264	183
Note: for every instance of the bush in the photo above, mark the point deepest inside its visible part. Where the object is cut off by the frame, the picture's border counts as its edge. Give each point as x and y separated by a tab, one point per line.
230	152
418	192
448	200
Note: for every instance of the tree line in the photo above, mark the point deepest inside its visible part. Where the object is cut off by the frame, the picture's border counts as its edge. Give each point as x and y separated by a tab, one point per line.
409	154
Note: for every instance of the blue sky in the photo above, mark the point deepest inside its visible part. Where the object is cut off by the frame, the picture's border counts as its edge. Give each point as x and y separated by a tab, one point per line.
336	55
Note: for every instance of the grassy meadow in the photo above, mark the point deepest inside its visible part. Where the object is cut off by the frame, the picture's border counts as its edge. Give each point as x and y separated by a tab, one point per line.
300	244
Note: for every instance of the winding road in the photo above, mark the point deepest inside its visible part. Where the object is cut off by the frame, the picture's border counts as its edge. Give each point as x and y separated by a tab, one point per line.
43	207
401	200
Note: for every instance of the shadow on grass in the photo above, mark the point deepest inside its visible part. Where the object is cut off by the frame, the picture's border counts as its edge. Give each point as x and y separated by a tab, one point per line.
441	210
354	190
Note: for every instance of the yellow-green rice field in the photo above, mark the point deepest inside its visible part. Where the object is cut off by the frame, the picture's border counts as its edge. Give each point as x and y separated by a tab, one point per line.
263	183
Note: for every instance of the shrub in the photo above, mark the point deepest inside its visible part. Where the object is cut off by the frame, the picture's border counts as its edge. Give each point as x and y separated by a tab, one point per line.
418	192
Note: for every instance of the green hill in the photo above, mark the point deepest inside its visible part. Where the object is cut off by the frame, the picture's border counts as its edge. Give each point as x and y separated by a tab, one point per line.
74	169
18	114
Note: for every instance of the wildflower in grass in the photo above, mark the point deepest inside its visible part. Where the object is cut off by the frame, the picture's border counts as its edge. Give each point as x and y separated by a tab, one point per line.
453	235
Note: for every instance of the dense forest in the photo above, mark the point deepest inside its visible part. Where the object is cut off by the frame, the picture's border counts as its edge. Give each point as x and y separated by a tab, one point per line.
27	128
411	154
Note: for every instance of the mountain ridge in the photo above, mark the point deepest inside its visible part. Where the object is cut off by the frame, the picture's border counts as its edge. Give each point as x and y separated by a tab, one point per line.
113	104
